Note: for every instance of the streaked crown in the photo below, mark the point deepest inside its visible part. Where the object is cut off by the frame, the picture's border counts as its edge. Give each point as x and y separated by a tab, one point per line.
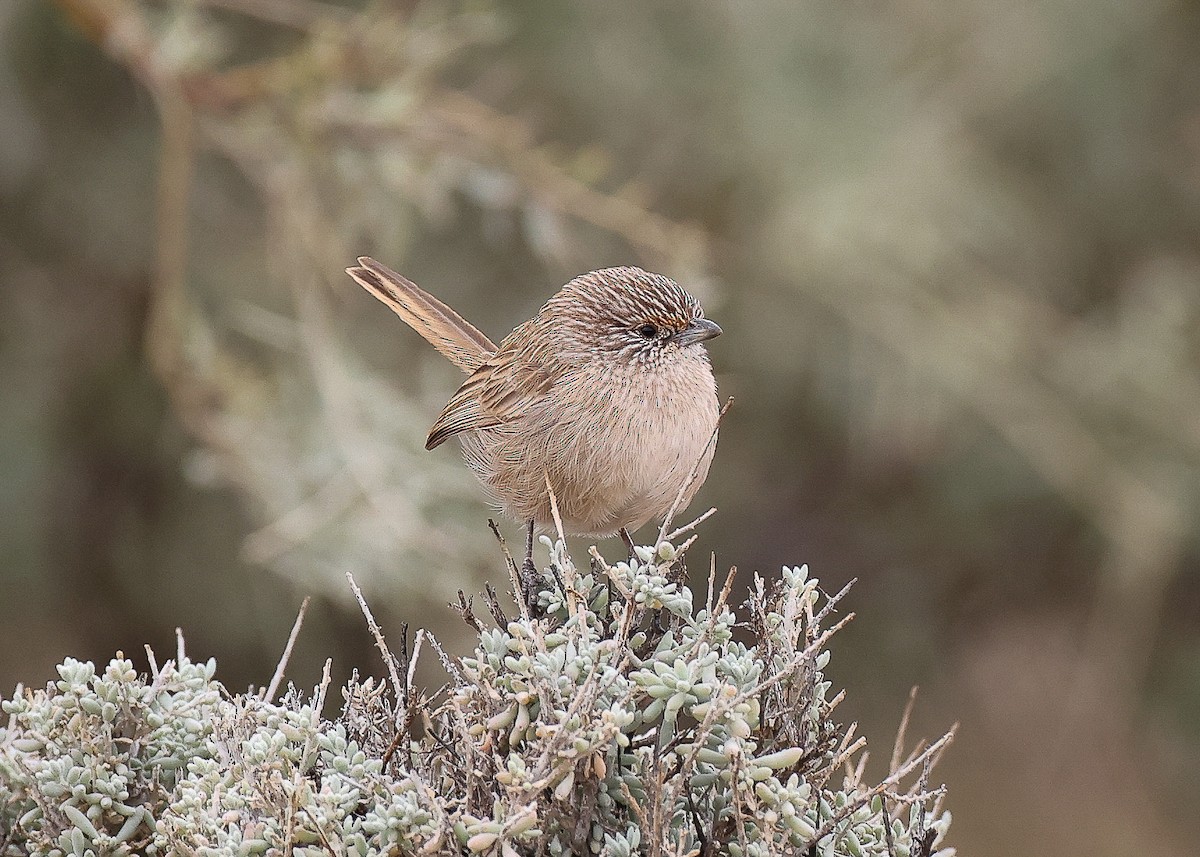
622	309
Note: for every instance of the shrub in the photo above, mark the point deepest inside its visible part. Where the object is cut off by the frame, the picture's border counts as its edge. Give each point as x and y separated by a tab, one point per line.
618	719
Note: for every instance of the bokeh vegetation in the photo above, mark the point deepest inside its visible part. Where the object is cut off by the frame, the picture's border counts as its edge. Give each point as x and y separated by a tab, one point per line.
955	252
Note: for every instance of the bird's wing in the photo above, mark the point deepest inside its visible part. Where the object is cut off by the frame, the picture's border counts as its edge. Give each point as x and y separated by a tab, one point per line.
496	394
447	331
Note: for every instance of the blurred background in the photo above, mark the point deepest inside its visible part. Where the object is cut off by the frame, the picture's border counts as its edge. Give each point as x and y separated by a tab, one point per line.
955	250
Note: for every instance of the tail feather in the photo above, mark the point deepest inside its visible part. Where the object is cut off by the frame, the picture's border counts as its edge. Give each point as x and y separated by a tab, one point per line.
447	331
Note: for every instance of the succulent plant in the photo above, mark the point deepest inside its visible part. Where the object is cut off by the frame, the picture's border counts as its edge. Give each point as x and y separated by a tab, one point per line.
612	717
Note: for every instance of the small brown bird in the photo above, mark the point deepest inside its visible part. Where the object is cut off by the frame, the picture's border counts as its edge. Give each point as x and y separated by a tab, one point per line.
607	393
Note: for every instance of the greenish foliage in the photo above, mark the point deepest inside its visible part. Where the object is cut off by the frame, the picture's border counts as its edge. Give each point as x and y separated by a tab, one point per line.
617	719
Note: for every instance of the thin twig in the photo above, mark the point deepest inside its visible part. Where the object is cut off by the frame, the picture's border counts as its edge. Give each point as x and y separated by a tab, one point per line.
687	483
269	694
887	831
394	745
322	690
388	658
898	747
892	780
831	601
687	527
712	581
416	654
918	829
554	507
855	774
512	563
514	574
463	609
493	604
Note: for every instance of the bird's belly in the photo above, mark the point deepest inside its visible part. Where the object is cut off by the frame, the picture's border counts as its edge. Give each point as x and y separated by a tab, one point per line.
618	462
622	470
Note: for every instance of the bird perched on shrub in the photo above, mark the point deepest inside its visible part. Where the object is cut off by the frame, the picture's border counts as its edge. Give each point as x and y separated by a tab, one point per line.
606	395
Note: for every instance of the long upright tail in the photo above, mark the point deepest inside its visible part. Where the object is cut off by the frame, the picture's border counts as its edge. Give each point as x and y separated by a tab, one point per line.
447	331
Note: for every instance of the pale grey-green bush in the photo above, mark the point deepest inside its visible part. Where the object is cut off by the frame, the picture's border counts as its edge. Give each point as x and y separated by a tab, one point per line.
621	718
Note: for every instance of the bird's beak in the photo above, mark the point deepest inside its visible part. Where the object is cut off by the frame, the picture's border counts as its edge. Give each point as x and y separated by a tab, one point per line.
698	331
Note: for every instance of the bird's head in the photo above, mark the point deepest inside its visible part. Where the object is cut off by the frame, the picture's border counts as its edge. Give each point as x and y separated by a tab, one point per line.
630	315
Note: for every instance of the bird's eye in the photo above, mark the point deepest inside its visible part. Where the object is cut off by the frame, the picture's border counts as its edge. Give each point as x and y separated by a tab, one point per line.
647	331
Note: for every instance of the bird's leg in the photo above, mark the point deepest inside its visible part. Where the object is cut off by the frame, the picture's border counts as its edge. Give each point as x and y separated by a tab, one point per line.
628	539
529	572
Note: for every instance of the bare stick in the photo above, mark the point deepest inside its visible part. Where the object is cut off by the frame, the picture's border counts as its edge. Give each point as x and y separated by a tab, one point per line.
388	658
831	602
887	831
416	653
554	507
463	609
726	587
607	569
514	574
493	605
322	690
508	557
180	655
937	757
712	580
686	527
287	652
891	781
153	662
712	439
392	747
898	747
856	775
